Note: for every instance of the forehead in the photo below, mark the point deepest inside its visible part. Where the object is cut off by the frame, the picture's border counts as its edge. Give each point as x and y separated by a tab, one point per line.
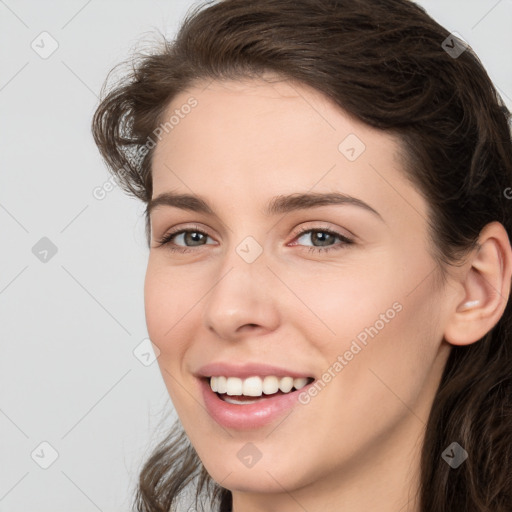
259	139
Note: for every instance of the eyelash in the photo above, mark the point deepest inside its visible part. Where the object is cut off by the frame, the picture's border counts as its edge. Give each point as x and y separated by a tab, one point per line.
166	239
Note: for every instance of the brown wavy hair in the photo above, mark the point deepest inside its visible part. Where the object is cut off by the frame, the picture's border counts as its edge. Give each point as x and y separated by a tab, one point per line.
383	62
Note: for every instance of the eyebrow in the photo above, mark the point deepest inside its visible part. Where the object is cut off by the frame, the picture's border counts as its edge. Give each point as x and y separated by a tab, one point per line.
277	205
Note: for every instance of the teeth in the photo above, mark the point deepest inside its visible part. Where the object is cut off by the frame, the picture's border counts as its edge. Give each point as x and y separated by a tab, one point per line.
221	384
270	385
231	400
255	386
234	386
286	384
300	383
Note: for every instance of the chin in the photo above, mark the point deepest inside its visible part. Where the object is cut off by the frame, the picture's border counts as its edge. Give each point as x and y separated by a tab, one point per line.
272	473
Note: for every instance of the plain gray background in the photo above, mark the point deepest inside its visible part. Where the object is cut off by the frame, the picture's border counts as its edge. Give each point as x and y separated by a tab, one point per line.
71	321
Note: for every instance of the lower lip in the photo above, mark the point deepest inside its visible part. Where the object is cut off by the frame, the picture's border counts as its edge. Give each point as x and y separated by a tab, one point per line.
247	416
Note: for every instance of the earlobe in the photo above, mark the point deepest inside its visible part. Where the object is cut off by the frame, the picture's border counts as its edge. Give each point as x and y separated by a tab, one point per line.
486	284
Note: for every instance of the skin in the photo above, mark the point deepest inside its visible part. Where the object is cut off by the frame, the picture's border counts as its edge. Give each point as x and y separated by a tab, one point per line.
357	443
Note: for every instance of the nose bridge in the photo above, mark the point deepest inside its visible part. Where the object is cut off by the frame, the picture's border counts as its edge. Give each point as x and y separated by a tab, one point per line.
240	294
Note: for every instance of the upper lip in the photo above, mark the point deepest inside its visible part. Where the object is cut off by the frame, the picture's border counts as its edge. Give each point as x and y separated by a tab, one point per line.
247	370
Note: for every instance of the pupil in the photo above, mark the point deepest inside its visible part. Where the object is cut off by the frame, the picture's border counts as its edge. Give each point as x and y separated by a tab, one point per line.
322	237
193	237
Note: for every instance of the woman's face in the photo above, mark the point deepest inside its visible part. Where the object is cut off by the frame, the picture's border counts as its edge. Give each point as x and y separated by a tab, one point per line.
300	251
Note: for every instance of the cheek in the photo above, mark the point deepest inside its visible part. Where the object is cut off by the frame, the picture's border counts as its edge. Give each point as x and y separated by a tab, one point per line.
168	298
167	302
374	385
387	340
366	288
338	302
371	320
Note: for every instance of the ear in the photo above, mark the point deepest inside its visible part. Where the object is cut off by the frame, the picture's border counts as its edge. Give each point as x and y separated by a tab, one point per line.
485	284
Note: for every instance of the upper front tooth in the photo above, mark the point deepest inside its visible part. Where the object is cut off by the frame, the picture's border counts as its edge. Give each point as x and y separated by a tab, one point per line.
286	384
234	386
252	386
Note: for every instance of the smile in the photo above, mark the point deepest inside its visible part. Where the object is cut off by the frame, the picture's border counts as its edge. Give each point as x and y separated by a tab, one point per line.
250	396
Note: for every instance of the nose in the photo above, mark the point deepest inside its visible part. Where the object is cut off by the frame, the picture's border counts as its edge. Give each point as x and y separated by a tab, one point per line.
241	301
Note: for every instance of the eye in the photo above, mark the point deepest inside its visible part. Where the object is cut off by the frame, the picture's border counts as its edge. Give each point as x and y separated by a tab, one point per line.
181	240
322	239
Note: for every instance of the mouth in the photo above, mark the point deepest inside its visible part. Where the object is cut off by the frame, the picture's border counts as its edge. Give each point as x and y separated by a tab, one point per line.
252	402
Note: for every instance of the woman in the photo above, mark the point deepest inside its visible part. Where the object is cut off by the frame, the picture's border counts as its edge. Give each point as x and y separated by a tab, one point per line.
330	265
